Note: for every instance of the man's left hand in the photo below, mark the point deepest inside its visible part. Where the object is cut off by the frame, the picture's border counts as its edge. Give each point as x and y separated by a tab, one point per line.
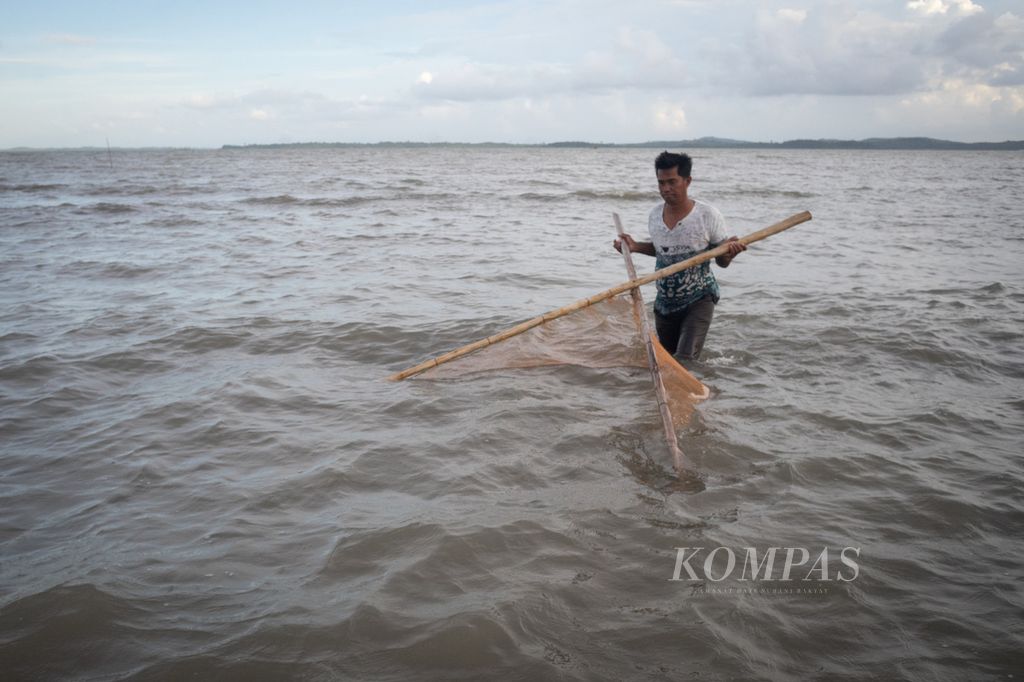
735	246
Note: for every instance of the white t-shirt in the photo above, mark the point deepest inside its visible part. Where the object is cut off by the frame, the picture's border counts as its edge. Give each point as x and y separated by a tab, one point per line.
703	228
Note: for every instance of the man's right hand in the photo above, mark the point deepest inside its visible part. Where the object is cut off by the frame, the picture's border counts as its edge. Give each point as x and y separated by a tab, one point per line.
627	240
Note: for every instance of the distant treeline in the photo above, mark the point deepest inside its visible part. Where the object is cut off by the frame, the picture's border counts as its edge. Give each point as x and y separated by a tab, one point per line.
889	143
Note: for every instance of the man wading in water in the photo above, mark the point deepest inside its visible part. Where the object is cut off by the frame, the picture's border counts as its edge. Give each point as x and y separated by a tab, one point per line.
682	228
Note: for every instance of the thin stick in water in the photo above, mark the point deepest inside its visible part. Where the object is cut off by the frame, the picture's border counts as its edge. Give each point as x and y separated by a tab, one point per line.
640	314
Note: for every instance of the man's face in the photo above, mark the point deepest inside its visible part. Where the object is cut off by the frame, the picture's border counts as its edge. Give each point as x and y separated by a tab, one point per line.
672	187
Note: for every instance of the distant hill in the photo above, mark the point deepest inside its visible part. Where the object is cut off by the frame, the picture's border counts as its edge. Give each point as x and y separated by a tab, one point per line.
896	143
890	143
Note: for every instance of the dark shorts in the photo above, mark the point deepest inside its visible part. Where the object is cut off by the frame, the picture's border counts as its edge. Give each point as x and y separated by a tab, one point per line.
682	333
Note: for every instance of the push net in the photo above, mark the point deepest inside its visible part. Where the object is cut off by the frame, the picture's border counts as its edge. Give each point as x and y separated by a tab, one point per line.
604	330
602	335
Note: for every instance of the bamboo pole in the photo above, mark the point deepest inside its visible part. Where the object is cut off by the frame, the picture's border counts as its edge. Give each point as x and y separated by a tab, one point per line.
640	313
763	233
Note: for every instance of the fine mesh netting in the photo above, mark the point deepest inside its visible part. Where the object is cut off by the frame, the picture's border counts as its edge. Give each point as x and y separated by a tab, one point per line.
682	388
602	335
605	334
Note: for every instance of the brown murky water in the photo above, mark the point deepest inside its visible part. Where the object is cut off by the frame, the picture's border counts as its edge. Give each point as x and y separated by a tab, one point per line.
204	475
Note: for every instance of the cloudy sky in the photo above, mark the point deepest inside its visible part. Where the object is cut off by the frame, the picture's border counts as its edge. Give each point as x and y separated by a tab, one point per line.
206	73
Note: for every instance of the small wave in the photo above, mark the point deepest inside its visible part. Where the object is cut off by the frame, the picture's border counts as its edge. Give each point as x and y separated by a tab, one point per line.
945	292
370	342
626	195
189	190
347	240
310	490
63	401
315	202
588	194
929	350
32	187
535	196
105	207
201	339
174	222
34	370
128	363
483	643
123	190
289	341
79	267
48	626
362	553
17	337
126	270
766	193
278	199
103	269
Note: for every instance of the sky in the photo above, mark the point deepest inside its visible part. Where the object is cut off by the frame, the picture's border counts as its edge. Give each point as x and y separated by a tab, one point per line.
207	73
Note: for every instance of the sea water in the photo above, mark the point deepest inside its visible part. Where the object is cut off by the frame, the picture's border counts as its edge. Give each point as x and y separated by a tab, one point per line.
204	473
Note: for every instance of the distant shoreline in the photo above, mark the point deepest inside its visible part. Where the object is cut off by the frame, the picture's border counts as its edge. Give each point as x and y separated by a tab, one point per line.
873	143
879	143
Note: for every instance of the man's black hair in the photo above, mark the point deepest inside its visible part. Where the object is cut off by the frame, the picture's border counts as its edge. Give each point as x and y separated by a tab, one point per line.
667	160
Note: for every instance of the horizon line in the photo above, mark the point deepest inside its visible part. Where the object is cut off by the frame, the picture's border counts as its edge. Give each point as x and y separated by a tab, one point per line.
904	142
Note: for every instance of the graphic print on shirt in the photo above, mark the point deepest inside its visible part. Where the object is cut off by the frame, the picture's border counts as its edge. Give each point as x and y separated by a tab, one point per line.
703	228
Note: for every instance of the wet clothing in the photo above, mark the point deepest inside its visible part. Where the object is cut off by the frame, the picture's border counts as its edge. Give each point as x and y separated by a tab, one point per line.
686	300
683	332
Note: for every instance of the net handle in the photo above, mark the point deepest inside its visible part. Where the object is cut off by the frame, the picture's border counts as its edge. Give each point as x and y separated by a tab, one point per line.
757	236
667	424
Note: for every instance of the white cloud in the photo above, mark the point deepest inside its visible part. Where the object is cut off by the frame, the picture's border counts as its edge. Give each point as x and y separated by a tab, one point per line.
964	7
635	60
669	119
201	101
288	106
928	6
796	16
952	107
834	49
533	70
983	49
